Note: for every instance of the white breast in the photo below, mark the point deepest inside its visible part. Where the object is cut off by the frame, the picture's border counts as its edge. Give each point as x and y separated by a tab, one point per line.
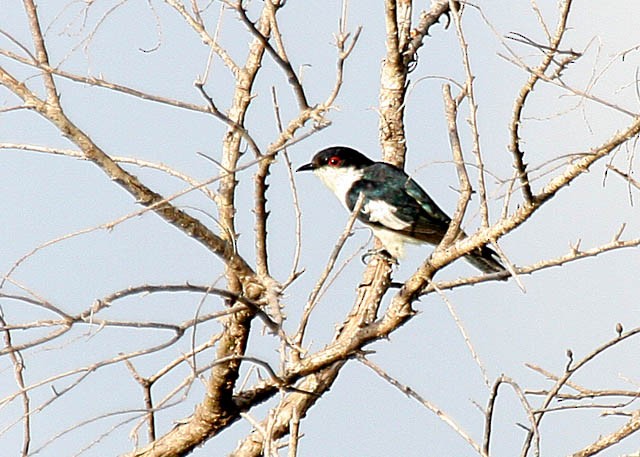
339	180
392	241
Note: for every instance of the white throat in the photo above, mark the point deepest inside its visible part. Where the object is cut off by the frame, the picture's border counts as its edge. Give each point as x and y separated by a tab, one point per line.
339	180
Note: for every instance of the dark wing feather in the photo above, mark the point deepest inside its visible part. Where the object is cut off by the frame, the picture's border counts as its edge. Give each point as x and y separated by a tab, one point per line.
428	223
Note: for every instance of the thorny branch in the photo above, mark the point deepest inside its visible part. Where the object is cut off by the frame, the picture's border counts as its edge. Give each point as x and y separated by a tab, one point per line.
526	91
303	376
451	111
279	56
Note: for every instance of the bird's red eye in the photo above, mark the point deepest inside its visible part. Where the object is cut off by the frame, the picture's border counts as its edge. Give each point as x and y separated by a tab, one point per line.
334	161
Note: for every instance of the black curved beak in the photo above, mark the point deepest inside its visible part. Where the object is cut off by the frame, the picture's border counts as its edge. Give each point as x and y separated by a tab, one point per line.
306	167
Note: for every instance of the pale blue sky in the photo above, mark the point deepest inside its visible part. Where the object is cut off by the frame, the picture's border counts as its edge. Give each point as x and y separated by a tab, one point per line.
576	306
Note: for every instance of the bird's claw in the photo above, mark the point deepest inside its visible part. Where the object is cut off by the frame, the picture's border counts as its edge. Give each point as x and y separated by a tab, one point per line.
379	252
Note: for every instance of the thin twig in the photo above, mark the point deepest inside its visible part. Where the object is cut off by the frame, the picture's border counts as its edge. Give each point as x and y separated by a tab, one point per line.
411	393
235	127
294	195
102	83
451	110
18	372
148	399
469	93
634	182
197	25
571	369
488	428
465	336
73	153
281	60
525	92
333	257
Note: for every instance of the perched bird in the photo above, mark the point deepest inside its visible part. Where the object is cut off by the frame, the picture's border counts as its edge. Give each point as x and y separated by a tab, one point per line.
396	208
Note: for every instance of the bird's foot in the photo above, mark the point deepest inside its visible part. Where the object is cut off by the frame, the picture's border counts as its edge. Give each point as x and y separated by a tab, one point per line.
379	252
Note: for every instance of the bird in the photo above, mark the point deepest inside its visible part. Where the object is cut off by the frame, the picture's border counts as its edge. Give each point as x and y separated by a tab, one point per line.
394	206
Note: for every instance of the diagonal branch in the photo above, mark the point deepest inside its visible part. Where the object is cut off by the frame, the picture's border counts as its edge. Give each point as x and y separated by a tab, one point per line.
571	369
18	371
571	256
103	83
196	24
333	257
427	19
605	441
281	60
418	282
411	393
143	195
469	93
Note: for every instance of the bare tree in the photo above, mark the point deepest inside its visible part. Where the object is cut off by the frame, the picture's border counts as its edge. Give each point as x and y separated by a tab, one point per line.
199	365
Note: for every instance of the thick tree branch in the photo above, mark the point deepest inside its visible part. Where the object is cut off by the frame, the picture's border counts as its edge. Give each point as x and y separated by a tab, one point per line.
392	88
41	52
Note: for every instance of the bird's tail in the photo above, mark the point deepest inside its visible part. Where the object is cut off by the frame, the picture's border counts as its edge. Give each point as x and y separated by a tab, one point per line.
486	260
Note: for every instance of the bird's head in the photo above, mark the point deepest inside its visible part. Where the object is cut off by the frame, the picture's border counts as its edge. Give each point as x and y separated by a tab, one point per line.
338	167
337	157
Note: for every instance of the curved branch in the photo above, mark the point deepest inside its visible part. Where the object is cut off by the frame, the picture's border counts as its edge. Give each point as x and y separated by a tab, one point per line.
281	60
525	92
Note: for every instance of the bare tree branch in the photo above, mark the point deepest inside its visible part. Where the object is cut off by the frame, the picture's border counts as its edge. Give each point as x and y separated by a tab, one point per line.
571	369
200	357
411	393
606	441
527	89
